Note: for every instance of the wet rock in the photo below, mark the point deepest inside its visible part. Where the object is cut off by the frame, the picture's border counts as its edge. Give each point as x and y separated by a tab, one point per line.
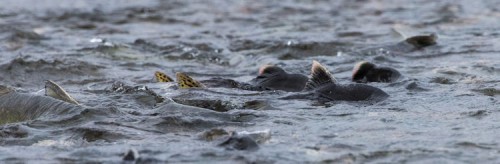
240	142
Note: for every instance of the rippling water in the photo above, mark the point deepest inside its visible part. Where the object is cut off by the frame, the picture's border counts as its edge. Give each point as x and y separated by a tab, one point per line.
444	110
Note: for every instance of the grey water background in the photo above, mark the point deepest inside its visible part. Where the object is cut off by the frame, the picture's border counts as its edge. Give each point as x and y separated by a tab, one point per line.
444	110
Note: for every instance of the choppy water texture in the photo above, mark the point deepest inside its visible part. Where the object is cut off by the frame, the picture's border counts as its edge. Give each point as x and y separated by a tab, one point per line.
444	110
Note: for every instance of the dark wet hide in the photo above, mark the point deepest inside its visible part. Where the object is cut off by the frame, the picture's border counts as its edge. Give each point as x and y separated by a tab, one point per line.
442	107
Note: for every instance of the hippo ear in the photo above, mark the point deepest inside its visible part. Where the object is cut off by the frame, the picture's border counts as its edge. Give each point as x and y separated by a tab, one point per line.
162	77
360	70
55	91
319	77
184	81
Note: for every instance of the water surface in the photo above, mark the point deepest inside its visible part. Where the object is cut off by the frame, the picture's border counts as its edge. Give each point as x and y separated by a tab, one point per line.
444	110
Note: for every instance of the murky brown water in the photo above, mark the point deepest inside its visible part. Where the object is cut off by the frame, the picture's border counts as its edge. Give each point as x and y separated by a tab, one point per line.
444	110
